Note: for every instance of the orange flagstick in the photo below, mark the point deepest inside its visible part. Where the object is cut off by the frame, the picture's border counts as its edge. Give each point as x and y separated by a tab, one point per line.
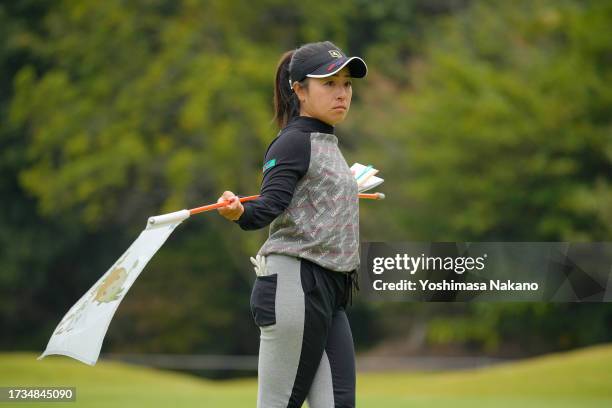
197	210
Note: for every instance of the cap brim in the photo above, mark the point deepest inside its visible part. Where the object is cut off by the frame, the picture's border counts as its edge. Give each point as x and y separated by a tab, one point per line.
357	67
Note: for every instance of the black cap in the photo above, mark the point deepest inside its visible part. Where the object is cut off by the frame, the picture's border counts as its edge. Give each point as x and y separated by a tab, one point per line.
325	62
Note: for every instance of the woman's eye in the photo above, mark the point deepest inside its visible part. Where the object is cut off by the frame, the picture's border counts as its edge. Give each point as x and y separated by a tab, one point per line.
329	82
349	84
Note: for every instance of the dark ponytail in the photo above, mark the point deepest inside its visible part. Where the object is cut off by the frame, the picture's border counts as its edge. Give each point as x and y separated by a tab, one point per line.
286	103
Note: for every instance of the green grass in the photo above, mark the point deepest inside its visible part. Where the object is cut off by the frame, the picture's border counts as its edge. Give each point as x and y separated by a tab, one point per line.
580	378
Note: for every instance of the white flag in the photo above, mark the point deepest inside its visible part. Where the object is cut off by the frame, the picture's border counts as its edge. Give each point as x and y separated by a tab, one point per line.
81	332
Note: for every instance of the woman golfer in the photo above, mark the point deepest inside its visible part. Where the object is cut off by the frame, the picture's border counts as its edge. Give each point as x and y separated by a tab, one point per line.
307	267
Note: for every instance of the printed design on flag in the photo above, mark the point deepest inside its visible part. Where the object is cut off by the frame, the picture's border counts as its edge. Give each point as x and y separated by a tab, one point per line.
112	286
107	291
71	320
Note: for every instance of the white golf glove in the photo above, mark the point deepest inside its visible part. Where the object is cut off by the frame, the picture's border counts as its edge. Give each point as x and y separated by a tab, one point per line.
260	265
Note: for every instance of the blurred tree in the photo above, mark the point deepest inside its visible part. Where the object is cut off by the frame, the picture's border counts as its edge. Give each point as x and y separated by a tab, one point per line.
507	131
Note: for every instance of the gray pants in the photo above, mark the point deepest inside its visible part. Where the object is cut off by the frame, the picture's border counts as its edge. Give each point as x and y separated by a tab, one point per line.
306	346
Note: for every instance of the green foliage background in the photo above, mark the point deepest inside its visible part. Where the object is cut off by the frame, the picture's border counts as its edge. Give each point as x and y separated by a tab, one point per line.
490	120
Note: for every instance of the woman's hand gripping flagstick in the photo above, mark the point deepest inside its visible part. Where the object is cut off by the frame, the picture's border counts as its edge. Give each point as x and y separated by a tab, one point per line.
81	331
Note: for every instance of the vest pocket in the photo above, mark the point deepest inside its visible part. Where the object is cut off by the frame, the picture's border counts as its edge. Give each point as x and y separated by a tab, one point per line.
263	300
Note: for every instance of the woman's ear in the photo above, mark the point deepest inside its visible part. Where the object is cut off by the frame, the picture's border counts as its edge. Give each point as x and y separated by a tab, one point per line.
300	92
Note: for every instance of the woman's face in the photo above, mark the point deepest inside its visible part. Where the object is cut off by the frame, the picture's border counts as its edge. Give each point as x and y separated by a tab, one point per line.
327	99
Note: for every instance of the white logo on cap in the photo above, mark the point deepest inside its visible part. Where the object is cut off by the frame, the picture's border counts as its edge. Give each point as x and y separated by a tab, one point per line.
335	53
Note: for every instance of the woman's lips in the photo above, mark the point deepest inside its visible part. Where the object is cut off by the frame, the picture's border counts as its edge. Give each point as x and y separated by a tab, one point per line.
340	107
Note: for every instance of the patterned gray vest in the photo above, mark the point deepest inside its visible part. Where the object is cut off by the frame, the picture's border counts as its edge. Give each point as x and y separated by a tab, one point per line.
321	223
